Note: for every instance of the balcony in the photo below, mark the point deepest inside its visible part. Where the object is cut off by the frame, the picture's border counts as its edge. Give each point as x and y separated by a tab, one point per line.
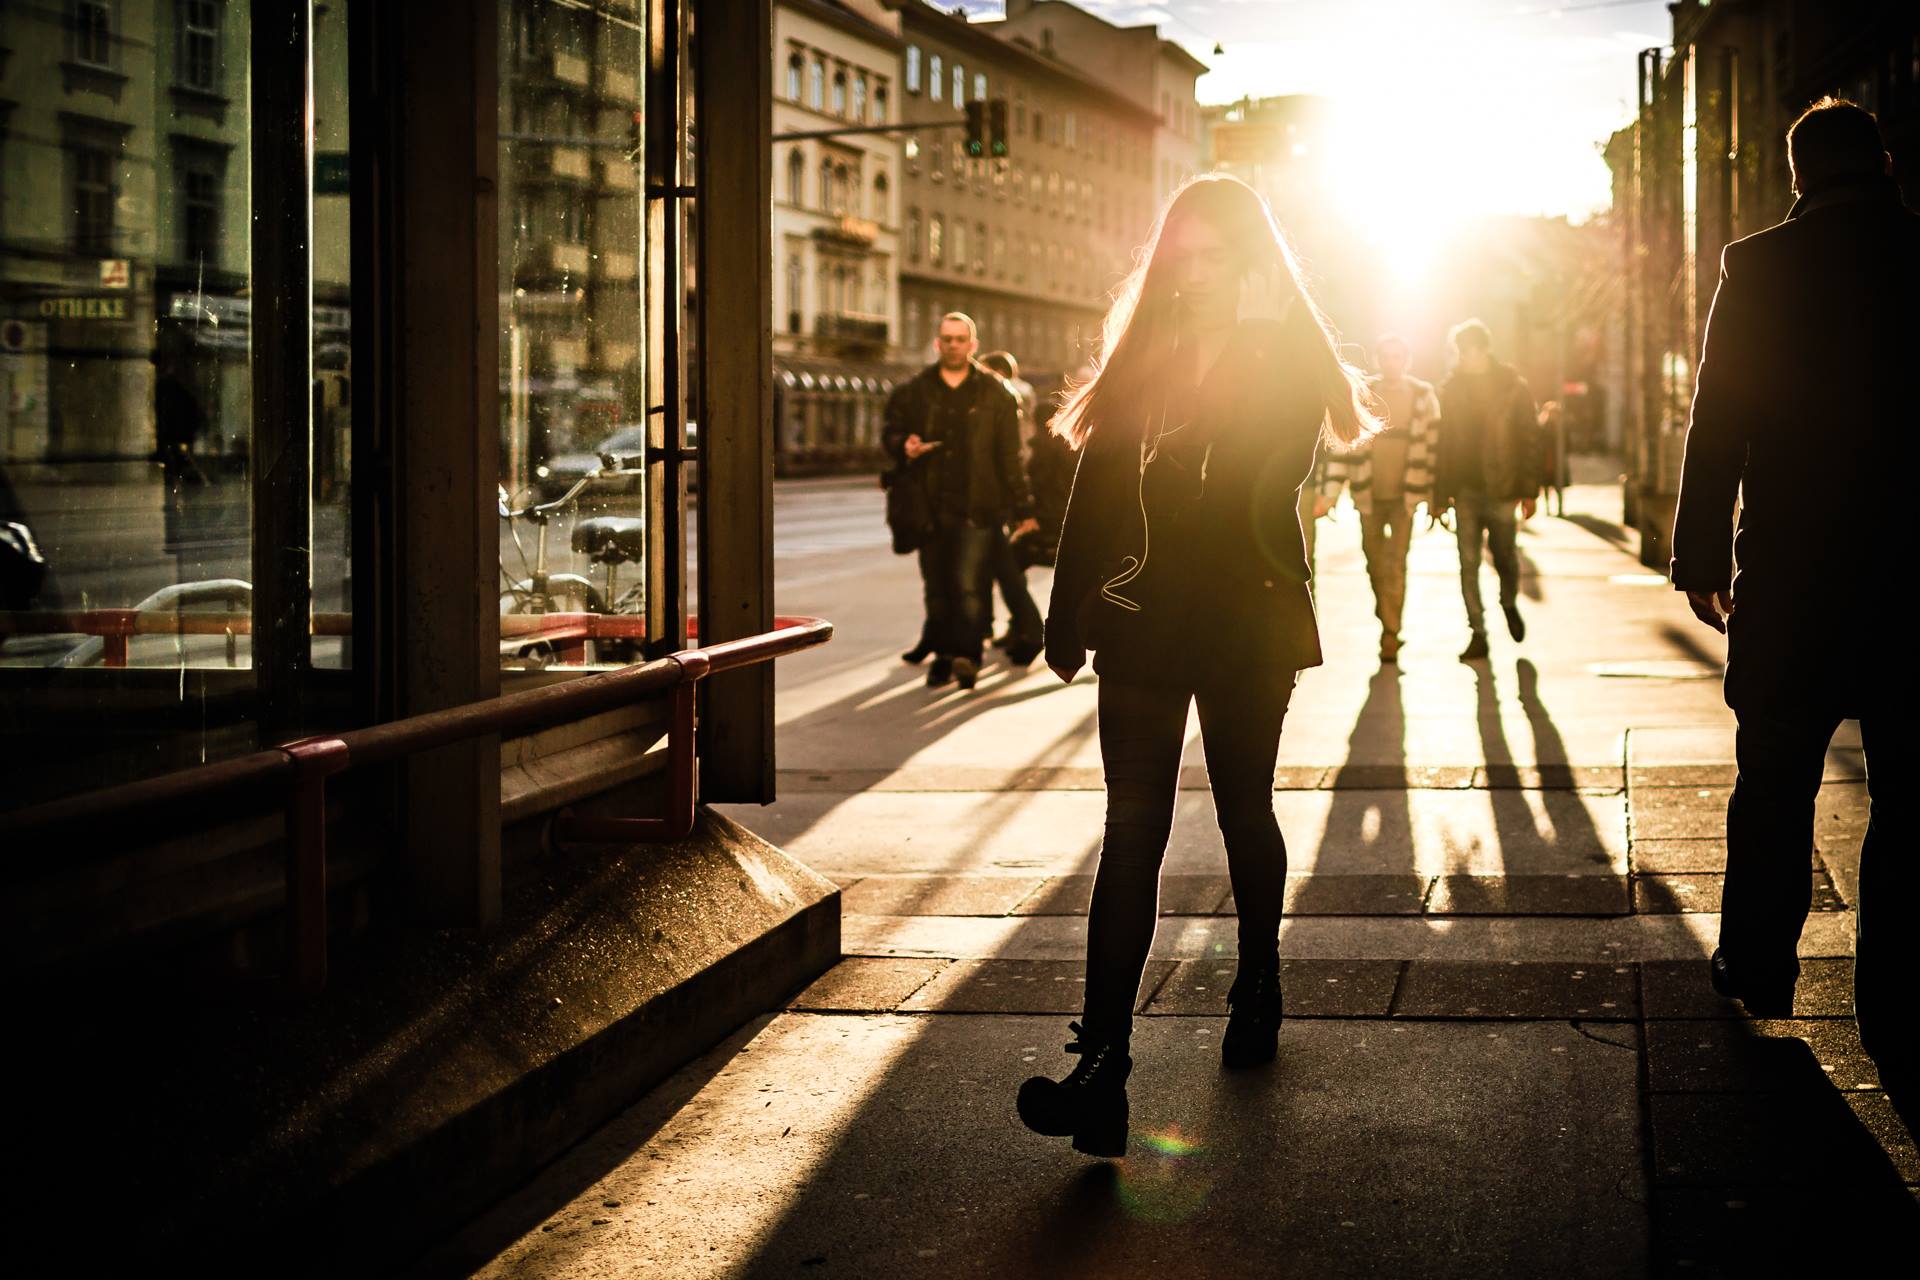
570	69
849	230
850	328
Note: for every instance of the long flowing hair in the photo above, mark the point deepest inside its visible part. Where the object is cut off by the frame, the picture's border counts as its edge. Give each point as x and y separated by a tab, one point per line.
1137	338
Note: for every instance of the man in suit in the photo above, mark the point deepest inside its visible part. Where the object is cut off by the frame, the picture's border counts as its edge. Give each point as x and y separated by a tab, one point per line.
1804	412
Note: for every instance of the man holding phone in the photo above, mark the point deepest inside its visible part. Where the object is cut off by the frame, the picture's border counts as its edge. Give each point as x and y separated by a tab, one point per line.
958	427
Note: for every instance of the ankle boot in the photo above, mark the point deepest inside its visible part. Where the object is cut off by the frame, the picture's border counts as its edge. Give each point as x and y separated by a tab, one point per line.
1090	1105
1253	1016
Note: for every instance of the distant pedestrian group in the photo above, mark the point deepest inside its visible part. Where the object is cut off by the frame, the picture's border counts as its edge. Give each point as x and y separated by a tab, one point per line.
980	494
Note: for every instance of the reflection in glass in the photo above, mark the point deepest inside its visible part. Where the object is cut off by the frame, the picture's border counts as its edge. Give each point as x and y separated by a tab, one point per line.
572	395
125	419
332	346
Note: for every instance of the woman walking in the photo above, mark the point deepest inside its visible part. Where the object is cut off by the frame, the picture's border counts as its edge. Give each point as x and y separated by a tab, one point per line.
1182	565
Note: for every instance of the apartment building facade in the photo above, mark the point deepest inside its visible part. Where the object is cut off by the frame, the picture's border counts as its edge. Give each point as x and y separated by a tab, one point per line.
1031	244
836	279
1155	72
1703	163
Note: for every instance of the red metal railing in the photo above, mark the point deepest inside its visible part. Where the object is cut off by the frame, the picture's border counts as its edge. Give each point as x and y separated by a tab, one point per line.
299	770
566	633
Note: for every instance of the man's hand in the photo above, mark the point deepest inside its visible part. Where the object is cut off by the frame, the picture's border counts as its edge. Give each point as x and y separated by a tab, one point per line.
1528	506
1025	527
1322	506
917	448
1712	608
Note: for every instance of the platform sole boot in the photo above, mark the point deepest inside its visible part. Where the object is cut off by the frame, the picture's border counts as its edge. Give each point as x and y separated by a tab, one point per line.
1253	1018
1090	1105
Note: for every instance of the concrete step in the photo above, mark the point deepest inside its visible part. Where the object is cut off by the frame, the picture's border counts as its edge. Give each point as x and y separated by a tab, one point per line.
1586	939
341	1135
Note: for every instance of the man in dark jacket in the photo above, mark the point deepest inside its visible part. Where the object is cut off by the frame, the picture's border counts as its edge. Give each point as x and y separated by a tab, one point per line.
1489	464
955	428
1803	412
1026	632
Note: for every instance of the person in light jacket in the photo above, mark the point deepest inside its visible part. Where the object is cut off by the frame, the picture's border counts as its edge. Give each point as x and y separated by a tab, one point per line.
1390	478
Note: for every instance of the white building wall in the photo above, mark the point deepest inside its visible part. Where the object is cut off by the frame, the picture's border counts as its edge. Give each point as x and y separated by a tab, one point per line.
796	224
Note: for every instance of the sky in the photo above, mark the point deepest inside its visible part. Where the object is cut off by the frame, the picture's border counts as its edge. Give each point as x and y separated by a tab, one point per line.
1475	106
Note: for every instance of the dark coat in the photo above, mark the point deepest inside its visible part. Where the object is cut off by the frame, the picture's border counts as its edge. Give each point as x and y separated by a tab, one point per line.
1223	592
1488	445
996	483
1805	409
1050	467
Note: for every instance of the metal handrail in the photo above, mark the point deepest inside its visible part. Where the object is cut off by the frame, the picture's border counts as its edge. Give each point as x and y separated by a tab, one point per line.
302	768
114	628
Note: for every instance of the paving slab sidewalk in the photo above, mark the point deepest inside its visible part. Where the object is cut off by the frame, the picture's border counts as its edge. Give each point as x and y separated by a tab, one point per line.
1501	1053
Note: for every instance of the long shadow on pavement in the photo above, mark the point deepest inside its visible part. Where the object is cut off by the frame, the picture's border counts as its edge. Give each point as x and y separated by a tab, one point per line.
1768	1145
1371	807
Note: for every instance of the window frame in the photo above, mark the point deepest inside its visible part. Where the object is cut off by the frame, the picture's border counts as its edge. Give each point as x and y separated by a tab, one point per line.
190	162
93	198
189	33
91	43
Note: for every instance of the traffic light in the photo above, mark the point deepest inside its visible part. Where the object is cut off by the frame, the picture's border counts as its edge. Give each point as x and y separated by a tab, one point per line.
997	134
976	129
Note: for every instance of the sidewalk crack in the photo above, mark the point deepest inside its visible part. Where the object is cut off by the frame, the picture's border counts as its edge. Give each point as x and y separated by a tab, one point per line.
1579	1027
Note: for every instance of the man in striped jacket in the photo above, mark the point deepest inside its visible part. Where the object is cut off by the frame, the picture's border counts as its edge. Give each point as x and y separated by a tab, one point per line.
1389	477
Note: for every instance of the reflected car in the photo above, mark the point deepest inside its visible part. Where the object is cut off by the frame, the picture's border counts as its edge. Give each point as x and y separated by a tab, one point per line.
563	470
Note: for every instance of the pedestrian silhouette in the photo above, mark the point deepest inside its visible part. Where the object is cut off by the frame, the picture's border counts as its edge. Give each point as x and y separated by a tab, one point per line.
1804	413
1489	464
1182	564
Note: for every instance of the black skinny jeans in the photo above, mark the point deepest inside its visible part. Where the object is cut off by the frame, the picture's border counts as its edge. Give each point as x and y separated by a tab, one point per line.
1142	730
